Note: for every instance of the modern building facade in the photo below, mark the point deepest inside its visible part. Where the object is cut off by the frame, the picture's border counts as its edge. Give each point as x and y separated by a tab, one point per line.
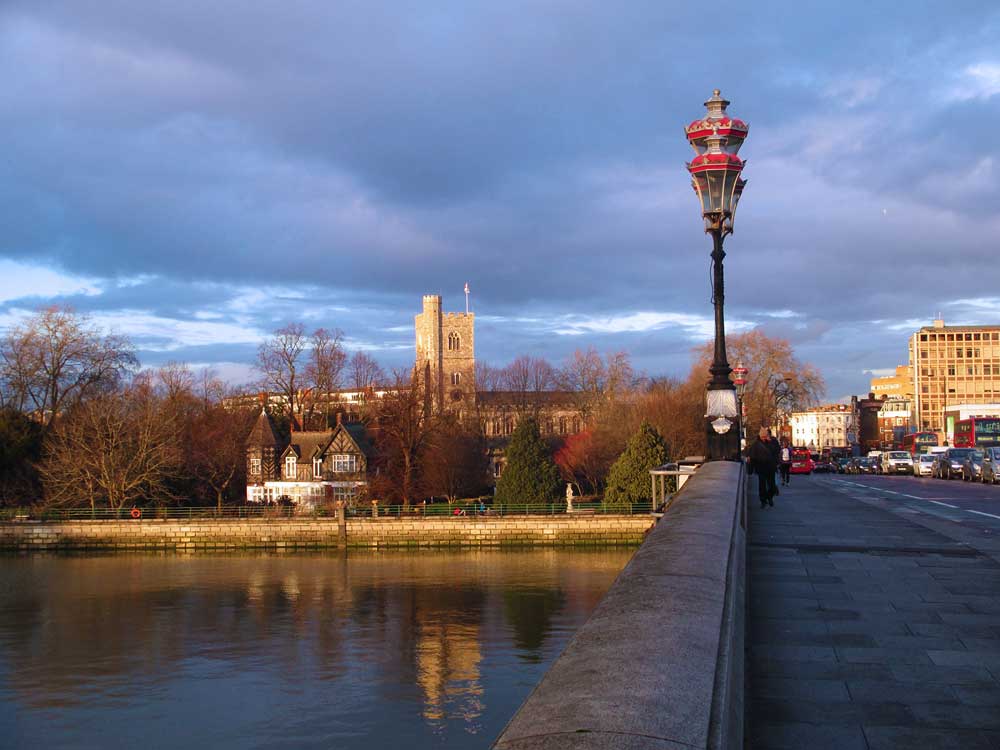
899	385
953	365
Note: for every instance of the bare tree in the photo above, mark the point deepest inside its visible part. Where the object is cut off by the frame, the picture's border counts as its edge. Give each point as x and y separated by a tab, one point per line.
364	371
596	380
217	456
488	377
324	370
454	462
777	382
406	429
175	380
56	359
279	360
114	450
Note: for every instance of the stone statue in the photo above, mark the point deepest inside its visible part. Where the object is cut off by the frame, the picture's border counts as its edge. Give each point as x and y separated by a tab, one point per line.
569	497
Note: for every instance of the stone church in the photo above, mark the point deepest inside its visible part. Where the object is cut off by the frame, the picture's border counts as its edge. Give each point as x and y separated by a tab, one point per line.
332	464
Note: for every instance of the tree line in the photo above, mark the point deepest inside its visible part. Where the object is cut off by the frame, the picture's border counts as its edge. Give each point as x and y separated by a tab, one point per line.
83	425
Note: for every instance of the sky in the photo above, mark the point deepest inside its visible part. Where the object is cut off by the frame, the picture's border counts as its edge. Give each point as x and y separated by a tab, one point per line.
196	175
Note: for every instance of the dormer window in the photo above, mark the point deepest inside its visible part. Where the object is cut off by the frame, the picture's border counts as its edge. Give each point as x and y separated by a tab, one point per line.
290	467
317	468
254	466
454	342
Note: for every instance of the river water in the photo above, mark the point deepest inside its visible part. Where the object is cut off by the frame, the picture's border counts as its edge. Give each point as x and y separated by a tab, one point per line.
343	650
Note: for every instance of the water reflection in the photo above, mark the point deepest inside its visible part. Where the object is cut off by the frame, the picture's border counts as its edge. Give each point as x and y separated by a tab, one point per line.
351	650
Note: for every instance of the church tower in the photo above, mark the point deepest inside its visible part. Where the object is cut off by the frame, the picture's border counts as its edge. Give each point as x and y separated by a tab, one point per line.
446	359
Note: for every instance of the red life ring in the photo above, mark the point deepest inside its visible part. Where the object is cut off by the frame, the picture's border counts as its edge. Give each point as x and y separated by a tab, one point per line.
136	513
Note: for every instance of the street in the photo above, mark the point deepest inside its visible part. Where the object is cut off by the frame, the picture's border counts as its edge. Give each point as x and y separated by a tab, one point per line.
969	503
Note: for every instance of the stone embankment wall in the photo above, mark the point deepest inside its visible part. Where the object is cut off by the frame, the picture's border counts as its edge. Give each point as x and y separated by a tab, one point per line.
321	533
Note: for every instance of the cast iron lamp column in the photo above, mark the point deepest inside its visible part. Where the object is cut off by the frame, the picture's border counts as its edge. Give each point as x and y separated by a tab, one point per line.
740	380
715	176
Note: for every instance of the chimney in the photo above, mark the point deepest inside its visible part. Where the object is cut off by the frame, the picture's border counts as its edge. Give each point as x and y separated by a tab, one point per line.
939	322
340	416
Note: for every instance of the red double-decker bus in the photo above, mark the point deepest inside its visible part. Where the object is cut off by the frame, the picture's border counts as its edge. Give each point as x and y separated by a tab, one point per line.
977	432
918	442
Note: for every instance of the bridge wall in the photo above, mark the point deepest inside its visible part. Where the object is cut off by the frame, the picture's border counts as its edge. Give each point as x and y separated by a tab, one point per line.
659	664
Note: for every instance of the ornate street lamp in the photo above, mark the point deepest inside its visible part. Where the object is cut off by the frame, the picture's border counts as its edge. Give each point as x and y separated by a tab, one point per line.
740	380
715	175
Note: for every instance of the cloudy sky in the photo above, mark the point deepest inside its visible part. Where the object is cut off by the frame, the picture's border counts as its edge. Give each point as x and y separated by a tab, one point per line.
196	174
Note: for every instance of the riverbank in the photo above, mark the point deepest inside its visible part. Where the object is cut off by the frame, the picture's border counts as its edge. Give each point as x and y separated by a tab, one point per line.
281	534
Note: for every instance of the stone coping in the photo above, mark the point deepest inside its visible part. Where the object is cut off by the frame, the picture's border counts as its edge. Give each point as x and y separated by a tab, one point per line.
659	664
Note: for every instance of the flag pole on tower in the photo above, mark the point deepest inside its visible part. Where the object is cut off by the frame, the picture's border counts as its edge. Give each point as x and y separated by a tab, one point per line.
466	297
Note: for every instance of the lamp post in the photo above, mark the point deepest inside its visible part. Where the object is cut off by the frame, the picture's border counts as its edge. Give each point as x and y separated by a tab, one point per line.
715	175
740	380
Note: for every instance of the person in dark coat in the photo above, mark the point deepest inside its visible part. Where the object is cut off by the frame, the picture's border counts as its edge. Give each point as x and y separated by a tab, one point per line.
763	463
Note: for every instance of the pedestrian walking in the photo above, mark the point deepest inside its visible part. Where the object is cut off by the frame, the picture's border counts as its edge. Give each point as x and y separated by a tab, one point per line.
785	464
763	462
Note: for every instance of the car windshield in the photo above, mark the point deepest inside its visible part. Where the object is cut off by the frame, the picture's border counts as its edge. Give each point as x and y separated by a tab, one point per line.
977	455
927	458
961	453
899	454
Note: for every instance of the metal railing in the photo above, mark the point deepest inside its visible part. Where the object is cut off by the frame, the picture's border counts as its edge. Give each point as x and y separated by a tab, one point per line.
274	512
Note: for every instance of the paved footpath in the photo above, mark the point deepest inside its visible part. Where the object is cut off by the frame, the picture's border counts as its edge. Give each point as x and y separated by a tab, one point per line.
868	628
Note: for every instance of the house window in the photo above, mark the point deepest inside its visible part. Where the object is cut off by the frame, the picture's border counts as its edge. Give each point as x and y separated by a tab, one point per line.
345	463
317	468
345	493
456	378
255	466
454	342
290	467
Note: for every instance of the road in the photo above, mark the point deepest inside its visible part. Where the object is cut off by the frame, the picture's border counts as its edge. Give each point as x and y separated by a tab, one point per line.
966	511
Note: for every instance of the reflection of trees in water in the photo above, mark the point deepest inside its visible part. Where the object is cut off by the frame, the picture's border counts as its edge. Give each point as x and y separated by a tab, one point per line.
410	622
529	611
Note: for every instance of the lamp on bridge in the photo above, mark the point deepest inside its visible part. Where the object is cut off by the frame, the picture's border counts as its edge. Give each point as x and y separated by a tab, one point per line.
715	175
740	381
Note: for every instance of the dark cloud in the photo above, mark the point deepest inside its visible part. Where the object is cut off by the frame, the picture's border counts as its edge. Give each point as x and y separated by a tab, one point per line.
256	163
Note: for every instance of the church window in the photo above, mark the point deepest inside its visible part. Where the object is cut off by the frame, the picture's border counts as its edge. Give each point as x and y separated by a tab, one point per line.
562	425
456	378
454	342
290	467
576	424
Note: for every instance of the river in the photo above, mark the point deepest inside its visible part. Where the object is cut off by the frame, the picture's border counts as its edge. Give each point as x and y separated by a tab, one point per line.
344	650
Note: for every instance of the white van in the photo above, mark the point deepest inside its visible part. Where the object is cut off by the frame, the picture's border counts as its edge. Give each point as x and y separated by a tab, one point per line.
897	462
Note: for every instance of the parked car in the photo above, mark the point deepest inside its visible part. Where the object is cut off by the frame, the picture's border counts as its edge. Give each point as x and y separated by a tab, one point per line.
824	467
897	462
860	465
802	462
923	465
972	466
950	463
991	466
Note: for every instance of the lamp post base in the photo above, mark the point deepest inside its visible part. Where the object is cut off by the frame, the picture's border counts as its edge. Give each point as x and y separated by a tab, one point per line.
722	446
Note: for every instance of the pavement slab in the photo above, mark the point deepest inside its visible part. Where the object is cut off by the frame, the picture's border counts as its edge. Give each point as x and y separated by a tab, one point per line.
867	628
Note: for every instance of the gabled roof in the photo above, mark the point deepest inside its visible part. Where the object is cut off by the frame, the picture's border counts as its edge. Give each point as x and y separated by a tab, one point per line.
262	433
359	435
307	444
